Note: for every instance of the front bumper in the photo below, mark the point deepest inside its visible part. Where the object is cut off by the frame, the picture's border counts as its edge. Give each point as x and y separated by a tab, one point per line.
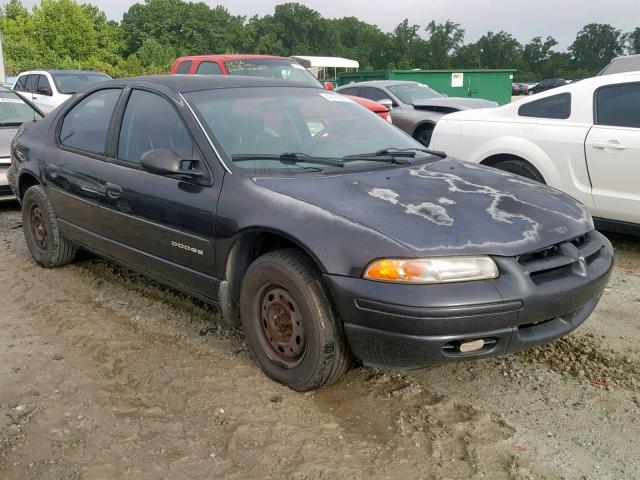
537	298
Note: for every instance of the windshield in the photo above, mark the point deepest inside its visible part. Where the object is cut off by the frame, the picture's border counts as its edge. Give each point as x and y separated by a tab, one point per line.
312	126
272	68
413	92
14	111
70	83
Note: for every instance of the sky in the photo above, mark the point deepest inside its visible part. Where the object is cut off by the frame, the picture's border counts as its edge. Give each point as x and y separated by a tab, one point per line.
524	19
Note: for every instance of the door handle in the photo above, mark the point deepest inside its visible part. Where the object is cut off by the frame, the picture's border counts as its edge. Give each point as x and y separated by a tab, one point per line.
608	145
113	190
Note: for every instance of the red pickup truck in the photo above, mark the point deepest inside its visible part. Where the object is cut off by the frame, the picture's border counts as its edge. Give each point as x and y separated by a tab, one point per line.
263	66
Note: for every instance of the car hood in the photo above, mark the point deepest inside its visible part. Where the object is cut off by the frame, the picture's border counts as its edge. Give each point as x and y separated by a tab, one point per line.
6	135
446	207
457	103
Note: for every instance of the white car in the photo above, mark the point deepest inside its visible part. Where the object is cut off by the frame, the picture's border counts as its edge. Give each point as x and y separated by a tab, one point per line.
49	88
582	138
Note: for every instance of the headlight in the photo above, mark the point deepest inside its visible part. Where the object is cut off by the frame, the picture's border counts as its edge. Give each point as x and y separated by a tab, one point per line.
432	270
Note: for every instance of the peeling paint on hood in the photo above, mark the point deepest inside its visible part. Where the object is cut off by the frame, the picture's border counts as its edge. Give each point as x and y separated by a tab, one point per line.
446	207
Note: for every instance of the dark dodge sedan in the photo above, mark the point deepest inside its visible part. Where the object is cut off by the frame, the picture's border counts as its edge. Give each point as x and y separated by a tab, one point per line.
326	232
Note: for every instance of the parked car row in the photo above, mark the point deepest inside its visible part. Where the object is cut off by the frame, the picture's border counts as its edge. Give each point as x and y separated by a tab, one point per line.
327	233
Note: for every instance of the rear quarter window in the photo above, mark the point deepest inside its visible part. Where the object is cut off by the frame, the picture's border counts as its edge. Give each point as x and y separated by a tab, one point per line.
556	106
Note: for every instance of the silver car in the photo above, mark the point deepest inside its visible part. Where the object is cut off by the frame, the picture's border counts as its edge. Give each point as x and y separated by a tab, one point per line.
415	107
14	111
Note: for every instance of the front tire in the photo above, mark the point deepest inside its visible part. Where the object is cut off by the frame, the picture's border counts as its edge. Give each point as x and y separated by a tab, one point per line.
289	322
424	134
520	167
47	244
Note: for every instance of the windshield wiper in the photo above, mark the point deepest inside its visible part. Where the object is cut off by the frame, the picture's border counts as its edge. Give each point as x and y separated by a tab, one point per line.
409	152
381	156
291	158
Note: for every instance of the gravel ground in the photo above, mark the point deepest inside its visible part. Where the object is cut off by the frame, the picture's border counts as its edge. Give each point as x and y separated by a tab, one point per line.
105	374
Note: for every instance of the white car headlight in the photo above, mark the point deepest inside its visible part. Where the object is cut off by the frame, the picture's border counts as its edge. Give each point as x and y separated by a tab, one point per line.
432	270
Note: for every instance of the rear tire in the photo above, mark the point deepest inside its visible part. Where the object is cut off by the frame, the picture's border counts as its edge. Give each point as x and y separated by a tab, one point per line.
520	167
47	244
423	134
289	322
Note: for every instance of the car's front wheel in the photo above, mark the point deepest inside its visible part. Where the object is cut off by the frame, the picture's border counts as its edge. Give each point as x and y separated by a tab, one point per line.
424	134
289	321
47	244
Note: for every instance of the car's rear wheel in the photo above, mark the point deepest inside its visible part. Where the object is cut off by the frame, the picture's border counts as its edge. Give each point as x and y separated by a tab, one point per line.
289	322
47	244
423	134
520	167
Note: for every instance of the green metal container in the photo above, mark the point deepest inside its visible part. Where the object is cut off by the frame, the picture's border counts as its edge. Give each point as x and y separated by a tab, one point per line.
488	84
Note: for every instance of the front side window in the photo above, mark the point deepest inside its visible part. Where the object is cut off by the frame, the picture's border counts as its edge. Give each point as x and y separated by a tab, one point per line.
208	68
85	126
151	123
414	92
72	82
619	105
259	128
14	111
272	68
556	107
43	87
184	67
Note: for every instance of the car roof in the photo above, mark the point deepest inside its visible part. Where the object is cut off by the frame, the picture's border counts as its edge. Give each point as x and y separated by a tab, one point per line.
53	72
192	83
231	57
380	83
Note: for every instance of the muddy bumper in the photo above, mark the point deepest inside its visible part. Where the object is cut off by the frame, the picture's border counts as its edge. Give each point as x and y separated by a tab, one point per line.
538	297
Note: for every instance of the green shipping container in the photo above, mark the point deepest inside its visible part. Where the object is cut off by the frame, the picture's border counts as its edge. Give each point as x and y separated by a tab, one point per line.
488	84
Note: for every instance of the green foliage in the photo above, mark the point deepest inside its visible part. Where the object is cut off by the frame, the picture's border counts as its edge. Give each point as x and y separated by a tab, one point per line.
67	34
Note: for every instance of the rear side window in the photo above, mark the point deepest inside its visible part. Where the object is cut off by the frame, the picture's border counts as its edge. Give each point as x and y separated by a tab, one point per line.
556	106
184	67
85	126
350	91
151	123
209	68
619	105
374	94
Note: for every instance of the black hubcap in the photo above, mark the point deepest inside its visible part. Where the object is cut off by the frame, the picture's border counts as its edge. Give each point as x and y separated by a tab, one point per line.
39	228
282	325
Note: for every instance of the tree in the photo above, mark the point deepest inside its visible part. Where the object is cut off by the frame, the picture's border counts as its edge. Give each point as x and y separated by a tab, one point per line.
594	47
537	53
444	40
631	41
498	50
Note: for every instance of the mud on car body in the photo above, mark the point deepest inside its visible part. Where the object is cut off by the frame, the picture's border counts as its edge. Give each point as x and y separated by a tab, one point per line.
323	230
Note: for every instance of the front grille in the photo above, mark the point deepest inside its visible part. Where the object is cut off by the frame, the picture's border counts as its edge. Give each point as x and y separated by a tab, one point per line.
557	260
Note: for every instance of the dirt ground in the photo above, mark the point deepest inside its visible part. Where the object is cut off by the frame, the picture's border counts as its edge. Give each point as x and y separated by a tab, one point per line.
104	375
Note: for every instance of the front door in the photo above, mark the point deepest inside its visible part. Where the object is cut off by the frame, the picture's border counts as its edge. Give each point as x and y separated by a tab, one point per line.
613	152
160	224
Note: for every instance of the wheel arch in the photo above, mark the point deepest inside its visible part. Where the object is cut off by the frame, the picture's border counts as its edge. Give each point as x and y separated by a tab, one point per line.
25	181
247	246
422	125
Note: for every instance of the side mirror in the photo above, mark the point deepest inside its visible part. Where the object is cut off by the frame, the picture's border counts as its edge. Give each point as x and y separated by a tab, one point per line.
328	86
387	102
167	162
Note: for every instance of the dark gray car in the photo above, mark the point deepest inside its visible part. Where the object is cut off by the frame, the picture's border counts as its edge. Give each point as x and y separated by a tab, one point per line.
415	107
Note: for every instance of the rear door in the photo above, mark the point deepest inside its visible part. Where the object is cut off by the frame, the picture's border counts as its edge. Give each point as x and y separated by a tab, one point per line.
613	152
75	165
160	224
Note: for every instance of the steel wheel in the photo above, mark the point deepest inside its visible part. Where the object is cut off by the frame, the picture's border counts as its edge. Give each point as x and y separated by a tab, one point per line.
39	228
283	328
